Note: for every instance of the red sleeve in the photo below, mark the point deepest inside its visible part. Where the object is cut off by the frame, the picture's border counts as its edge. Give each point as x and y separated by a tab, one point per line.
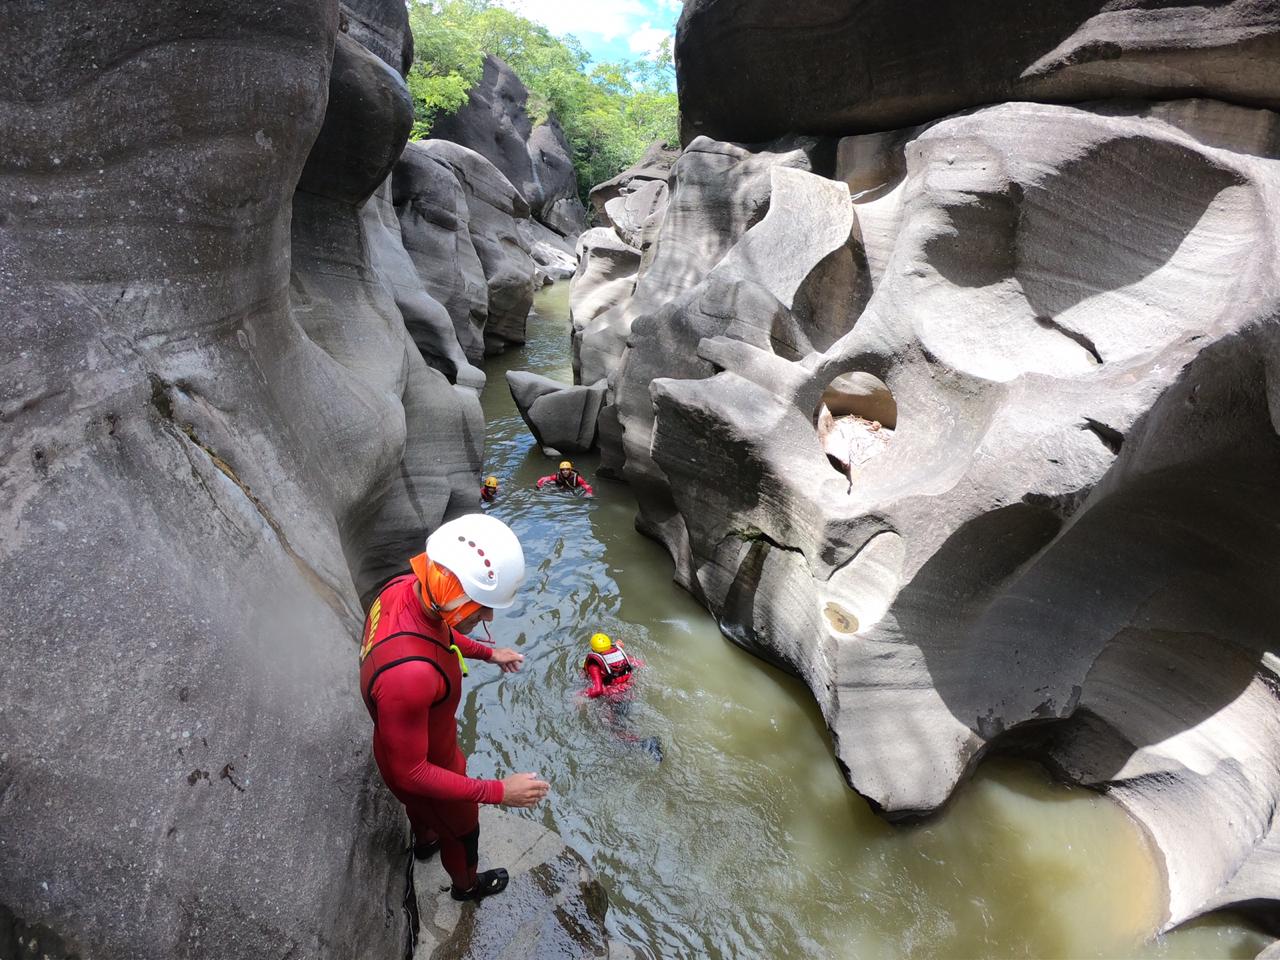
472	649
542	480
586	486
403	696
596	678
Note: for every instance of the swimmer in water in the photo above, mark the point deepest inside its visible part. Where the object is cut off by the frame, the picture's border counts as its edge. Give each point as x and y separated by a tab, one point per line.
610	672
566	478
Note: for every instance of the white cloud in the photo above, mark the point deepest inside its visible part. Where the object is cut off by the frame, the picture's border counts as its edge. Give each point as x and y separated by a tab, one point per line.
647	39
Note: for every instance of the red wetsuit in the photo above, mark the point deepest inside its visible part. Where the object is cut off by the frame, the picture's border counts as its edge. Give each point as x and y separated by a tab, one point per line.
487	495
411	682
576	482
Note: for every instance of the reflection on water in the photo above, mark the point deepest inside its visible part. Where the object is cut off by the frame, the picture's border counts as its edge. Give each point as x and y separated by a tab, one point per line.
744	841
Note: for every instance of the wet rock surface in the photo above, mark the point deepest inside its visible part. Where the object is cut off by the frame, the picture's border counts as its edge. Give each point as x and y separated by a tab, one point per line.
553	909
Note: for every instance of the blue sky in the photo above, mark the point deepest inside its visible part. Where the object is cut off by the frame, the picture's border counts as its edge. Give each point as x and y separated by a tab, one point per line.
609	29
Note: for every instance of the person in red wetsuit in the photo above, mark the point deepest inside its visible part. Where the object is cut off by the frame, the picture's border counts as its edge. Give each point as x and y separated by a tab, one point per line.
489	490
411	669
566	478
610	671
607	666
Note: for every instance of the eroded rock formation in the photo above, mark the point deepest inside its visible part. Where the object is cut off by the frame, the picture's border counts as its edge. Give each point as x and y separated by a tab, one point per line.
494	209
462	223
756	70
536	160
1067	316
178	504
561	418
219	434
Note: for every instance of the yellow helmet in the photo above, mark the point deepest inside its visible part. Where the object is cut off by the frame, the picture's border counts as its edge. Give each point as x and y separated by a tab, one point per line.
491	483
566	465
600	642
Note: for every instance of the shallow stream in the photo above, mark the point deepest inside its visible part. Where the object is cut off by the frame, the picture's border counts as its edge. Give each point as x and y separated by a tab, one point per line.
744	841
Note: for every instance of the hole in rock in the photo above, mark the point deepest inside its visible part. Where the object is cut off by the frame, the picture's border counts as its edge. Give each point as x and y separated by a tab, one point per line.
855	421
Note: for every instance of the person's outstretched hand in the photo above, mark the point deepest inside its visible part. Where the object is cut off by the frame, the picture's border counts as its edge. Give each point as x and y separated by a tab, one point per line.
507	659
523	790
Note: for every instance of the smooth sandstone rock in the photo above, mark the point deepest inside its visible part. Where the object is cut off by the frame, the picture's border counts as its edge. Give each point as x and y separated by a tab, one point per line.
179	726
717	192
655	164
1069	317
755	70
559	416
605	279
428	322
348	310
494	207
555	257
637	214
435	225
382	27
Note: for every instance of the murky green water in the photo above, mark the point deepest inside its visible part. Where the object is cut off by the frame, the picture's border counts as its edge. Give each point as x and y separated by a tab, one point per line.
744	841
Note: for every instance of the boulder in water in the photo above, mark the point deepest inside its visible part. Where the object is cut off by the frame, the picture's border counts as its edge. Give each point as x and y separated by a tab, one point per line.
560	417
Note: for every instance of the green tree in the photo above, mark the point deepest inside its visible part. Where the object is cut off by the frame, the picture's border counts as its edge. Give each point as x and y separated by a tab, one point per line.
609	112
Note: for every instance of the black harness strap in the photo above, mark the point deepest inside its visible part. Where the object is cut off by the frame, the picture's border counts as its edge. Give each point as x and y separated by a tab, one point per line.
448	687
407	633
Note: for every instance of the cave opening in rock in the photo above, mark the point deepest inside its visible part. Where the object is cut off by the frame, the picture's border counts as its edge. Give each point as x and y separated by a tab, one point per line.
855	421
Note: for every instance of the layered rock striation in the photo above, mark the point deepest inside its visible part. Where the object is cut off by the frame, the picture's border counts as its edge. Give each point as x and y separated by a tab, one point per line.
231	407
757	70
461	221
1063	317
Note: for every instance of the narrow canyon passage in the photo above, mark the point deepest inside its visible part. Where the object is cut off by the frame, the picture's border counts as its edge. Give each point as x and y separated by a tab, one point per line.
744	841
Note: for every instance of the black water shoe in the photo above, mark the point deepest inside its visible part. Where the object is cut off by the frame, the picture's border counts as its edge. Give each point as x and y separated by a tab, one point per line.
486	885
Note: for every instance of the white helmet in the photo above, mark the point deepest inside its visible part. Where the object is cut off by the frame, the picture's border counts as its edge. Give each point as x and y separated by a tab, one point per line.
484	554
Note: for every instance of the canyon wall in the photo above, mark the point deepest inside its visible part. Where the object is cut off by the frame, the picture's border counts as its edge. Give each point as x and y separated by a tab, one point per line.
993	393
232	406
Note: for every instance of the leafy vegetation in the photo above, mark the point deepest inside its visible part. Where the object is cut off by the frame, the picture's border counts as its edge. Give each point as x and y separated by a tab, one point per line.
609	111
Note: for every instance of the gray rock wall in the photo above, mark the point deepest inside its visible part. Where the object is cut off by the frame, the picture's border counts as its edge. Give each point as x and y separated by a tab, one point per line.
435	225
756	70
219	432
1068	312
494	210
536	160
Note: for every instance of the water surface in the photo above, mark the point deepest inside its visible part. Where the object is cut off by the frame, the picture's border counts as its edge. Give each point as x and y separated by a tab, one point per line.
744	841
